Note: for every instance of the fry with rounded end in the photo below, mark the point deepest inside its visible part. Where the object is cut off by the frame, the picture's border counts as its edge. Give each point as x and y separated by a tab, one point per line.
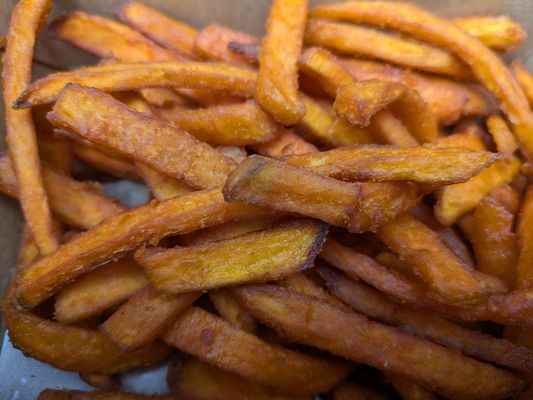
502	135
277	82
101	381
312	322
216	342
27	20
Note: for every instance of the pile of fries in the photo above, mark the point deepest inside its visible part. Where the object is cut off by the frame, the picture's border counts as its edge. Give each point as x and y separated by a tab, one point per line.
344	208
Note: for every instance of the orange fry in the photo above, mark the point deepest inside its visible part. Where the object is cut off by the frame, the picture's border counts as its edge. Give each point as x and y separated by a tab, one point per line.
277	82
231	310
524	78
27	19
524	231
286	143
502	135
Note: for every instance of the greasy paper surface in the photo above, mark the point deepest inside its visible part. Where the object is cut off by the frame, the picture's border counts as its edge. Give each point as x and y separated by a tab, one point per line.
16	379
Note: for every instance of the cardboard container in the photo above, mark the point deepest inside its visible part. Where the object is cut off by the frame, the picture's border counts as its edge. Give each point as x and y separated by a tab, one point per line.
23	378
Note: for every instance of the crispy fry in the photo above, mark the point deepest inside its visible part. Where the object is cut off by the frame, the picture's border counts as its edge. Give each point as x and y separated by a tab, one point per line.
393	262
524	78
286	143
229	125
52	394
239	352
502	135
99	290
454	201
524	231
367	42
446	275
232	311
377	306
27	19
499	32
124	232
105	162
312	322
426	164
302	284
157	26
78	204
352	391
28	250
102	381
144	316
486	66
106	122
277	82
410	390
254	257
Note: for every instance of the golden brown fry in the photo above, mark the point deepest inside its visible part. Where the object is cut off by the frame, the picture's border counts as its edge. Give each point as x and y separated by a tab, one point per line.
277	82
367	42
238	124
28	250
99	290
426	164
377	306
162	186
106	121
27	19
231	310
508	197
411	391
524	231
239	352
393	262
302	284
447	276
52	394
79	204
102	381
502	135
286	143
454	201
352	391
312	322
487	67
254	257
124	232
498	32
157	26
524	78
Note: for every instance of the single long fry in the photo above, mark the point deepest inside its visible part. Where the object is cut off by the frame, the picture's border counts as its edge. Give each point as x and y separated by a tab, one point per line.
254	257
454	201
377	306
99	290
524	231
312	322
435	263
502	135
231	310
227	125
286	143
79	204
426	164
106	121
410	390
239	352
144	316
486	66
124	232
27	19
157	26
277	82
371	43
524	78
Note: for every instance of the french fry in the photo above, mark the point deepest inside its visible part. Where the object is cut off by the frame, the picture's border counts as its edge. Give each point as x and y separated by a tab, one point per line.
498	32
524	278
312	322
28	250
352	391
411	391
99	290
487	67
302	284
144	317
105	162
456	200
393	262
448	278
502	135
124	232
228	125
244	354
508	197
27	19
230	309
286	143
367	42
235	153
101	381
426	164
155	25
524	78
254	257
277	82
107	122
377	306
78	204
194	379
63	394
119	77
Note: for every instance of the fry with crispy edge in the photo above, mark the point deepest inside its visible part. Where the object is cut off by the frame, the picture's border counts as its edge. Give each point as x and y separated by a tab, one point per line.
79	204
99	290
157	26
411	391
488	68
64	394
242	353
27	20
124	232
107	122
194	379
259	256
368	42
501	134
312	322
286	143
352	391
426	164
277	81
377	306
524	78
